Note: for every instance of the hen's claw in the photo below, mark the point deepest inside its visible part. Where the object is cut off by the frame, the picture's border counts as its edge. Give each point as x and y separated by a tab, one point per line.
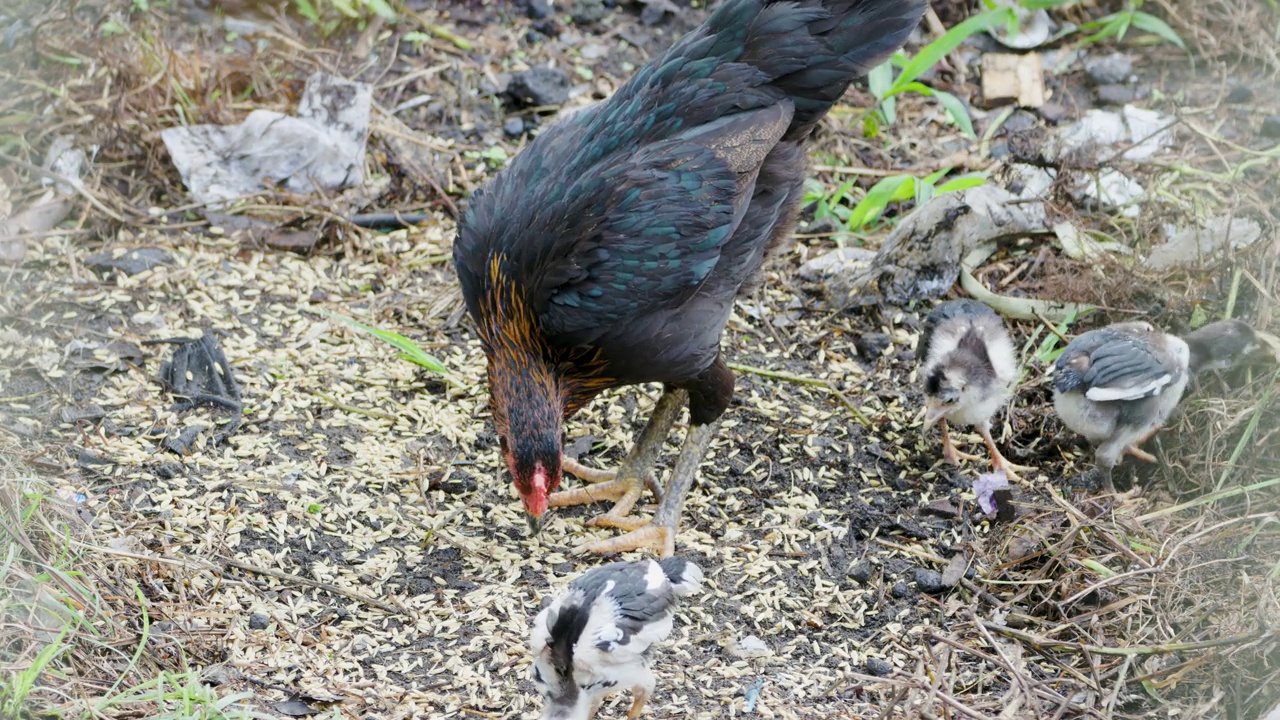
584	473
659	538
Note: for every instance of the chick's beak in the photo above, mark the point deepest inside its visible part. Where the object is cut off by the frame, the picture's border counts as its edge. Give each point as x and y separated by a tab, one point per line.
934	410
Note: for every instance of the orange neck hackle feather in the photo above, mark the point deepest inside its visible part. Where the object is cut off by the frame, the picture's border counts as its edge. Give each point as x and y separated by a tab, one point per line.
523	381
524	369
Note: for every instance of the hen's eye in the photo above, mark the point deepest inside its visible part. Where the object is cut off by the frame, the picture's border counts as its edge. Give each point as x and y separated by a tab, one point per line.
502	443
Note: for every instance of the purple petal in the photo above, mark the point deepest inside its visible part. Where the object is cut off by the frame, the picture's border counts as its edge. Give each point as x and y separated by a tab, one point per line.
985	487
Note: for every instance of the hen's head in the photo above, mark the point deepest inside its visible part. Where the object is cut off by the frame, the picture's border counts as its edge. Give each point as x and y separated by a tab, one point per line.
533	458
527	393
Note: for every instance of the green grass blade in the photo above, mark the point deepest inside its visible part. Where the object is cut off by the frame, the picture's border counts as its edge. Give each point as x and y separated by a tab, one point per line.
957	111
1156	26
409	350
930	54
963	182
879	197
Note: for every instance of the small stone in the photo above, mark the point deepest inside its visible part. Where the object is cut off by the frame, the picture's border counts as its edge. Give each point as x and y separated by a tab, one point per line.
1119	94
539	86
90	413
538	9
259	621
533	37
929	581
1055	112
1240	94
215	675
130	262
942	507
860	572
652	14
1109	69
184	442
878	667
513	127
871	346
750	647
1271	127
548	28
588	12
900	589
168	470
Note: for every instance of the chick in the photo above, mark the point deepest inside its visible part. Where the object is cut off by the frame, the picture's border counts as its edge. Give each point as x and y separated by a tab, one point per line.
1221	345
594	639
969	367
1119	384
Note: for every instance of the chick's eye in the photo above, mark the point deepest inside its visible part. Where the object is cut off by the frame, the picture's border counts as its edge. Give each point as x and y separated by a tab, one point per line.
537	676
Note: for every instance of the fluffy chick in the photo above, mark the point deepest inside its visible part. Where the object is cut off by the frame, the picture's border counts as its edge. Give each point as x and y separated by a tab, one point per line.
1119	384
1221	345
969	367
594	639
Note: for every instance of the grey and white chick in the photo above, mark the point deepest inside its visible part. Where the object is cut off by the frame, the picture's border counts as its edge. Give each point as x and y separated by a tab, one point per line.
969	367
1221	345
594	639
1119	384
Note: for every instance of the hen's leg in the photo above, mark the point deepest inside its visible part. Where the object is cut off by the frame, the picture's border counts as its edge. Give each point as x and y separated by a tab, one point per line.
949	451
660	534
626	484
998	461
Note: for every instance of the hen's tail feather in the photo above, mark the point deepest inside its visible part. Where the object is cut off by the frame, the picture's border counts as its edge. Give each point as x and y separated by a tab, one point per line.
812	50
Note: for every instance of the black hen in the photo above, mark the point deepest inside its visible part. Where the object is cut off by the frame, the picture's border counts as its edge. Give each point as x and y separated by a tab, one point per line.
609	252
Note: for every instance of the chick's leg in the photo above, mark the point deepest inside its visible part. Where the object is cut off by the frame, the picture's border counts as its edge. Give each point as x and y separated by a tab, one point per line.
1136	448
625	485
637	705
998	461
949	451
660	534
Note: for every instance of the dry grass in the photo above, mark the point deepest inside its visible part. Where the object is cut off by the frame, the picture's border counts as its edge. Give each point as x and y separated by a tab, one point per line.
354	546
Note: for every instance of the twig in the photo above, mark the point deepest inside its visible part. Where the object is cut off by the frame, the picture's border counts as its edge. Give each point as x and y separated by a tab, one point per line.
387	607
353	409
815	382
1206	499
1043	643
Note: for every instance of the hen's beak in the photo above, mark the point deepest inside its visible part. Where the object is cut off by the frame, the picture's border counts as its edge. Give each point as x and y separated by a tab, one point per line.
535	523
934	410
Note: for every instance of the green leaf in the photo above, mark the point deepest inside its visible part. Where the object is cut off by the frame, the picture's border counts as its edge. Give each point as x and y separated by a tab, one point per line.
889	108
930	54
1156	26
409	350
933	177
1034	5
382	8
880	79
963	182
879	197
957	111
346	8
307	10
1098	567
